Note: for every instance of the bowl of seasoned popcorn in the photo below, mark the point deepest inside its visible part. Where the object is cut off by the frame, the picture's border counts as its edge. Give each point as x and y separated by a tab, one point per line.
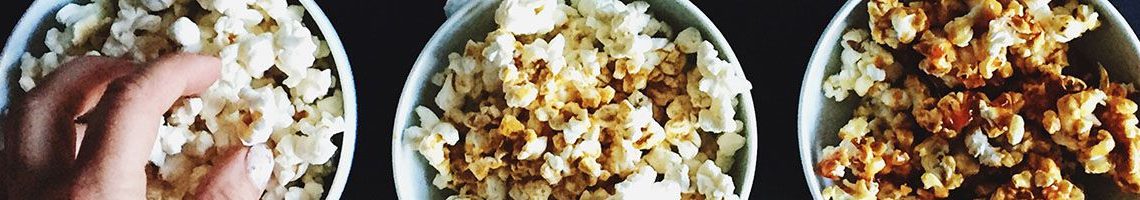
285	88
975	99
586	99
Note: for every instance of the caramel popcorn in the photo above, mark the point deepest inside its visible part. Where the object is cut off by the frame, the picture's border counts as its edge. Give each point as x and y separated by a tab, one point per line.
864	64
988	96
1042	180
539	111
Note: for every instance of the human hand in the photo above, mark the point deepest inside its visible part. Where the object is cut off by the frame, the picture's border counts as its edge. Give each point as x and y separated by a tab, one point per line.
87	130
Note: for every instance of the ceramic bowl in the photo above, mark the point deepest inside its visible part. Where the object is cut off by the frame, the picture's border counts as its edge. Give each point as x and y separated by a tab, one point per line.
1113	44
472	21
28	36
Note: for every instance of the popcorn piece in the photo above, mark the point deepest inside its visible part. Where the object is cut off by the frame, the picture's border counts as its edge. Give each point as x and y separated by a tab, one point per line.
861	69
315	85
186	33
296	51
264	114
156	5
689	40
642	185
533	148
536	189
893	23
861	189
260	161
1043	173
727	145
255	54
129	20
529	16
81	22
713	183
221	6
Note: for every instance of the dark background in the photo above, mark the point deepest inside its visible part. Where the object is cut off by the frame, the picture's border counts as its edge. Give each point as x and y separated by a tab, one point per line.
773	41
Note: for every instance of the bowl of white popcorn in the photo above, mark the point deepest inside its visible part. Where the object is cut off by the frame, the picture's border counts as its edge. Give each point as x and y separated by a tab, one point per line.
580	99
890	108
285	88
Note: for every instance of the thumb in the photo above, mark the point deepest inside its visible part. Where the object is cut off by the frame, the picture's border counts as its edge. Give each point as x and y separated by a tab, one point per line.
241	174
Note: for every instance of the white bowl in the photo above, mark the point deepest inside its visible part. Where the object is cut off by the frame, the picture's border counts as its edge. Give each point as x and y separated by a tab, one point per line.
1113	44
472	22
29	36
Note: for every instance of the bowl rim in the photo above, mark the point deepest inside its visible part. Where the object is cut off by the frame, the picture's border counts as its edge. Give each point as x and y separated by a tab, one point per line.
28	23
405	105
348	96
816	65
821	57
745	109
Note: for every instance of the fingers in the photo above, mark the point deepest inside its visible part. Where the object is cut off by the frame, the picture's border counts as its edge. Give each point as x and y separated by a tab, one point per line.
42	138
234	176
123	124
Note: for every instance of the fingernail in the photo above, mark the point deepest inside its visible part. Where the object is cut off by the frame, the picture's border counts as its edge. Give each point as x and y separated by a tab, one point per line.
260	165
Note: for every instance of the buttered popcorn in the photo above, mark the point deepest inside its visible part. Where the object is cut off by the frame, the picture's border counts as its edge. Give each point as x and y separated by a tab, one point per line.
277	93
989	109
586	100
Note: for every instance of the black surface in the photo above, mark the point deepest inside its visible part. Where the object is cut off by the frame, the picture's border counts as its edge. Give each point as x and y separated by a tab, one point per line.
773	42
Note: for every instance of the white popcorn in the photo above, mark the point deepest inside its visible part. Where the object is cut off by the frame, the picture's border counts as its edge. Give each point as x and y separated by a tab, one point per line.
56	42
229	28
315	85
186	33
533	148
29	70
554	168
574	129
979	147
431	136
222	6
623	156
316	146
641	185
249	17
520	95
200	144
174	167
662	159
185	114
727	145
529	16
172	138
157	5
311	191
551	52
81	21
157	155
260	164
721	81
332	104
903	25
859	71
713	183
130	20
256	54
296	51
689	40
265	112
